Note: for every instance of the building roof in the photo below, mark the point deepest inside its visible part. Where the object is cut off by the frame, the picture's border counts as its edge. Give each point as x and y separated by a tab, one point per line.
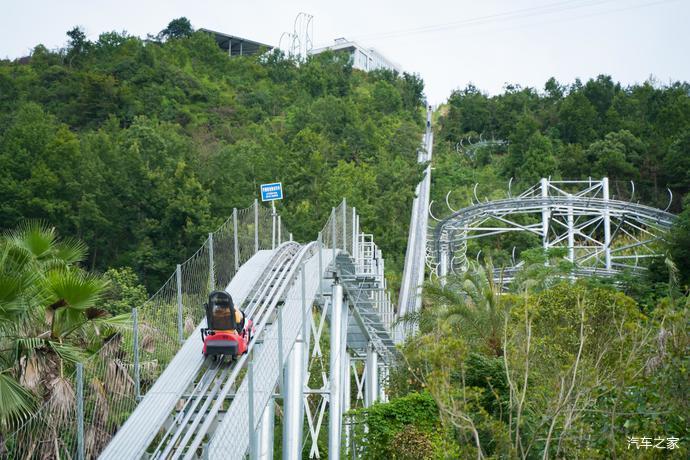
239	45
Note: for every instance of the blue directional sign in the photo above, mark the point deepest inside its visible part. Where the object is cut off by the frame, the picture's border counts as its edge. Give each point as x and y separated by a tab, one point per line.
272	192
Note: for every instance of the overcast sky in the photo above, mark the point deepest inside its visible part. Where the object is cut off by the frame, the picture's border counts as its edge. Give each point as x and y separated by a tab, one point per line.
449	43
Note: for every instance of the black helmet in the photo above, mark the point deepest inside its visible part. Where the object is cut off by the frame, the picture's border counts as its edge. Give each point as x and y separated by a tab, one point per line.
221	299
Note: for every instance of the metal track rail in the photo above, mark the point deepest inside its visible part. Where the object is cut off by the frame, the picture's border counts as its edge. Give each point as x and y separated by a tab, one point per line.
264	298
410	299
231	439
182	418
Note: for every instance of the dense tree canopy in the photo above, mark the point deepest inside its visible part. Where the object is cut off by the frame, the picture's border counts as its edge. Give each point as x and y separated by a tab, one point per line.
141	147
595	129
598	128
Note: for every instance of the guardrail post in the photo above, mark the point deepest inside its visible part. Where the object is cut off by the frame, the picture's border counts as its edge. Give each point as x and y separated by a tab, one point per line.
305	309
256	226
180	331
344	225
333	234
280	352
571	232
211	267
135	352
443	266
320	243
80	411
358	247
354	234
236	239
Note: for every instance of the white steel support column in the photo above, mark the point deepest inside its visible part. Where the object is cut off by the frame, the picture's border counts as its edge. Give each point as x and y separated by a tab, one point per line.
293	419
383	377
371	380
295	374
263	437
607	223
443	265
545	213
343	344
264	433
335	396
346	398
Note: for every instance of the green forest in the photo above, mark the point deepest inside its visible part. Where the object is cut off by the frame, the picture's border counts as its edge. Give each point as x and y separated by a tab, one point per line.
546	367
119	155
140	148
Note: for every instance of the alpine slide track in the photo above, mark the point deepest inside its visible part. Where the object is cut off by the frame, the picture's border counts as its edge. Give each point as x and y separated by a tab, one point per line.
325	328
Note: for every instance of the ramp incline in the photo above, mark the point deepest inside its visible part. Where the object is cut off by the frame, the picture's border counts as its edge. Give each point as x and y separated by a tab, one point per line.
136	434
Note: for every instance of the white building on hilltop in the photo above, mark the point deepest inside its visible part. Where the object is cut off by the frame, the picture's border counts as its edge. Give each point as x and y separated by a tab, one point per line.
362	58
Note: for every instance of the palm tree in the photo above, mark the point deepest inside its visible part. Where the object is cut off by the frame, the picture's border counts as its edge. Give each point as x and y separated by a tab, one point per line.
49	319
469	303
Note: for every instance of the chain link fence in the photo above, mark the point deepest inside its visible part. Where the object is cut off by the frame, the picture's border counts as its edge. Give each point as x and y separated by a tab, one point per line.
87	407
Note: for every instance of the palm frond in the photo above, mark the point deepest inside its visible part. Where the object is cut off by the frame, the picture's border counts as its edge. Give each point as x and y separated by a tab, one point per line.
67	352
78	289
104	326
18	287
29	343
70	250
36	236
16	403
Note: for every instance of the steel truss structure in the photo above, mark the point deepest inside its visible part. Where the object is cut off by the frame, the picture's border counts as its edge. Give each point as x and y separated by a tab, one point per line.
358	309
602	236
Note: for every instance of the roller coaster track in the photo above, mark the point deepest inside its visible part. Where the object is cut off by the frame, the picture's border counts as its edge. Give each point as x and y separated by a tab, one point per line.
215	409
410	299
179	405
602	236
